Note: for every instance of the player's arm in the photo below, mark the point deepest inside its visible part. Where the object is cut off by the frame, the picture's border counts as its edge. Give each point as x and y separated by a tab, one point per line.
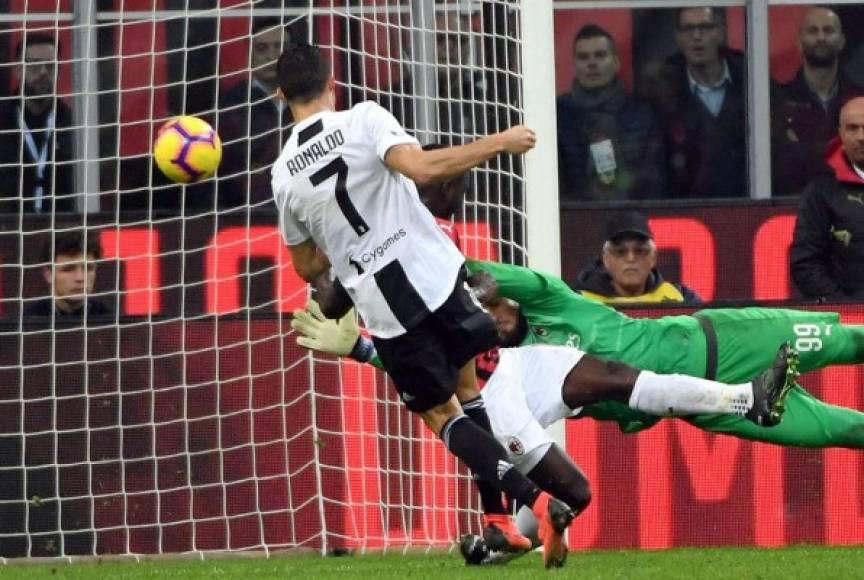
309	261
425	167
337	337
523	285
331	296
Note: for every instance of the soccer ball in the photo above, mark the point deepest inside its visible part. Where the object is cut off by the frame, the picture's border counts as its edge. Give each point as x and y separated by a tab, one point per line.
187	149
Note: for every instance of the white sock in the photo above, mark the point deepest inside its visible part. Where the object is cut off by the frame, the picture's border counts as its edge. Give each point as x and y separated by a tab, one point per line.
526	523
682	395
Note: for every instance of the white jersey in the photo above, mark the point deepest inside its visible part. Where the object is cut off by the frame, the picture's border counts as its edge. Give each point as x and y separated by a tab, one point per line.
331	184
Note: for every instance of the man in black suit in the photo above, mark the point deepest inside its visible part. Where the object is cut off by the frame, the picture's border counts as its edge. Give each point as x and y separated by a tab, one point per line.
253	123
704	116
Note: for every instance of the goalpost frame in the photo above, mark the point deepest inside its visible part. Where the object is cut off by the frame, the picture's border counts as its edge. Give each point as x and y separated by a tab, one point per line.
541	164
542	210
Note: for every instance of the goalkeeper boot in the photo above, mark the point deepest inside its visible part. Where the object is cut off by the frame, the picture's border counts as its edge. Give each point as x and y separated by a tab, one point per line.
772	386
553	517
501	534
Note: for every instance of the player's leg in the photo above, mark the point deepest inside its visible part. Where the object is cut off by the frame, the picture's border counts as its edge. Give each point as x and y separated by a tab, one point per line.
743	340
529	447
554	472
426	382
469	330
483	455
499	531
558	474
747	339
807	422
424	365
593	379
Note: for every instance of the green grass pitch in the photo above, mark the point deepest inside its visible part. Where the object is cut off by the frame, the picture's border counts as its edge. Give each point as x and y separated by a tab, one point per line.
810	562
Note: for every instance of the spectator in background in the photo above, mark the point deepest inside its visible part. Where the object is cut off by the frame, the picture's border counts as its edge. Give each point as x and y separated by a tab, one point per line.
610	145
626	270
69	269
704	113
827	256
36	139
807	109
460	87
253	123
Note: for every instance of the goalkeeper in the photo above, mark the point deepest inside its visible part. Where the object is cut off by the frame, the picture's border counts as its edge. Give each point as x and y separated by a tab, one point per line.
720	344
728	345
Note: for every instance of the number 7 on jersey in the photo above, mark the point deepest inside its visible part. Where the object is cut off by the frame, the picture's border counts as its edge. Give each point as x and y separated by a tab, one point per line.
339	168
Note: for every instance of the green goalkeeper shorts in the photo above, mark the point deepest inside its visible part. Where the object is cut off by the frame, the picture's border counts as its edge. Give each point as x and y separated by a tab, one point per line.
748	339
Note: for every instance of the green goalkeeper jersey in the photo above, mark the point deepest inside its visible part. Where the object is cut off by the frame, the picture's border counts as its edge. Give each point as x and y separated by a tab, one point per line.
557	315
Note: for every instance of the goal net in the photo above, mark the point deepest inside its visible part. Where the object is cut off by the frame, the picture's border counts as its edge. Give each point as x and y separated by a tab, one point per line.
158	402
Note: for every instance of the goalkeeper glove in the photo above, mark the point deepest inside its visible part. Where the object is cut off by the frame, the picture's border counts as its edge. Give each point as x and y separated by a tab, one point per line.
340	337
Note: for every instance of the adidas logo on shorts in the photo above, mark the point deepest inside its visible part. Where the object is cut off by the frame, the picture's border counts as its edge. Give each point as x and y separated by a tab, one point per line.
503	468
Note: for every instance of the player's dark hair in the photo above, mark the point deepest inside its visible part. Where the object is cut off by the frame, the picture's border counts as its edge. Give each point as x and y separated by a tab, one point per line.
593	31
32	39
303	72
71	243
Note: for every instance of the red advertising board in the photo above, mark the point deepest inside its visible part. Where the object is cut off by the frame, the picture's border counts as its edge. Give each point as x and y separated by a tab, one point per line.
225	265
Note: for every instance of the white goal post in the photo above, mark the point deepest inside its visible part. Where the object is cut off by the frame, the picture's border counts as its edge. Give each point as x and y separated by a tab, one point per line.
180	416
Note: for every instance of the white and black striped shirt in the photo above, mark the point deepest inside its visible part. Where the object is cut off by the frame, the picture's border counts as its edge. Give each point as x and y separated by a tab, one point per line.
331	184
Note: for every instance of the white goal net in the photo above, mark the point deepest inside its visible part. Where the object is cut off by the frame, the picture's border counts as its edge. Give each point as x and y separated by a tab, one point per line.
171	411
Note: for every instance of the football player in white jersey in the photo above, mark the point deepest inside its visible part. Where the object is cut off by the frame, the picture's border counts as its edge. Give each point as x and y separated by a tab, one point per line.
535	386
344	188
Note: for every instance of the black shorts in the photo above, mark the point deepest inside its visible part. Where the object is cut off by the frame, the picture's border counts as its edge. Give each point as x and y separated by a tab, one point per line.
424	362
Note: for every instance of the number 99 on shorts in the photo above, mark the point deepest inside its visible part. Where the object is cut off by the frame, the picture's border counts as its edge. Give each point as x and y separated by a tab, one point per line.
809	336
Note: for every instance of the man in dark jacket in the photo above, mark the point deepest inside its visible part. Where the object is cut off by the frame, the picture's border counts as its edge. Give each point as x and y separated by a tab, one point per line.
69	268
36	138
626	270
827	256
253	123
610	145
807	109
704	118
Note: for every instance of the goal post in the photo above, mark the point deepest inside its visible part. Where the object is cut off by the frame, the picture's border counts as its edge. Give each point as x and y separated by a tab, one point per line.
541	165
182	417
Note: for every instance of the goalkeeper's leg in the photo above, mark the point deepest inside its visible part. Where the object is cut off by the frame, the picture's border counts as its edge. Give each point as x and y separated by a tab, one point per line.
807	422
761	400
747	339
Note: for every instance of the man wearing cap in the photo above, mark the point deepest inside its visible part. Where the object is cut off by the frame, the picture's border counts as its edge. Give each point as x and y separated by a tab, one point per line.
625	271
